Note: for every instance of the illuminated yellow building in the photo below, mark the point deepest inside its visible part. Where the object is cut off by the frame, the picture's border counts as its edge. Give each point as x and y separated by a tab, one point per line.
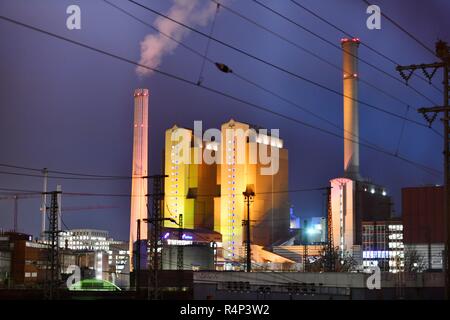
190	188
240	168
210	195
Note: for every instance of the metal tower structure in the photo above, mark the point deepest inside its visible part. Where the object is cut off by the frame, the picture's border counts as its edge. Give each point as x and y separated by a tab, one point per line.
330	263
44	203
155	230
430	114
53	267
249	195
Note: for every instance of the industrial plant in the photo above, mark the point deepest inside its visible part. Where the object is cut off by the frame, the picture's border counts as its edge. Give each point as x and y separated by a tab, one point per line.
211	213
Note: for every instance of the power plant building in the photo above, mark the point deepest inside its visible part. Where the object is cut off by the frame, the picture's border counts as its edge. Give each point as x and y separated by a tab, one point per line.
210	195
353	198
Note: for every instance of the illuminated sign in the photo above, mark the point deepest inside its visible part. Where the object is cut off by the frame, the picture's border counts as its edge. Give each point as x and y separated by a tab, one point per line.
187	237
179	242
375	254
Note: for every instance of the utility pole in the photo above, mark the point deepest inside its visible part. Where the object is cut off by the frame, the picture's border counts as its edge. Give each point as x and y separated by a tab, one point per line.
249	195
305	246
53	248
155	230
44	203
330	263
16	212
430	114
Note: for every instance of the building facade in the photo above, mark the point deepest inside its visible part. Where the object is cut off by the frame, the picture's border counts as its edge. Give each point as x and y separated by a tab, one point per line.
423	220
210	194
382	245
191	184
92	246
353	202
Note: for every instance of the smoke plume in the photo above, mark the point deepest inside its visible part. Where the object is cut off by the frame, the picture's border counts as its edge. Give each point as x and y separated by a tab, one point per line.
155	46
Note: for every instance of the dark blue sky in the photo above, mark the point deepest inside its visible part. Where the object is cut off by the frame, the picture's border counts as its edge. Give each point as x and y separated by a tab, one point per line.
66	108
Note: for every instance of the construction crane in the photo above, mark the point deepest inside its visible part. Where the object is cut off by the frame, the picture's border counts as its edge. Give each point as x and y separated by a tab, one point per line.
20	196
16	197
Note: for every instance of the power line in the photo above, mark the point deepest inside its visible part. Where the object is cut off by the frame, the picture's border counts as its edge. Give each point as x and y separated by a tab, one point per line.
96	194
362	43
337	47
237	75
404	30
278	35
66	172
293	74
218	92
61	177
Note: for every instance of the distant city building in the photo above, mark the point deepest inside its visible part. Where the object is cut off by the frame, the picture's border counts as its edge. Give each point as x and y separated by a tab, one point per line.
382	245
102	248
118	257
353	202
85	239
424	229
24	261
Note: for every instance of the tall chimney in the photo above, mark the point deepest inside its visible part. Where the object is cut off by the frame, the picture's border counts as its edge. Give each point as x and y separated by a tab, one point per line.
140	168
351	119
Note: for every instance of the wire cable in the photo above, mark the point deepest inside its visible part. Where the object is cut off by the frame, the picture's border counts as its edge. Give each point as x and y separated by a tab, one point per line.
218	92
362	43
339	48
237	75
274	66
403	30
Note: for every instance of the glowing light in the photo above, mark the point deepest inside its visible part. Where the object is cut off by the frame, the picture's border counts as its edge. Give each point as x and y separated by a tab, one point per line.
188	237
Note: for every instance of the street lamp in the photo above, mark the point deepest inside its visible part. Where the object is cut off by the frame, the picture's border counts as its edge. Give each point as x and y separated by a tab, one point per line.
249	194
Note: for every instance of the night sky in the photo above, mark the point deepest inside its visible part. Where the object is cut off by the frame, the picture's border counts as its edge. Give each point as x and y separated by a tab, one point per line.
66	108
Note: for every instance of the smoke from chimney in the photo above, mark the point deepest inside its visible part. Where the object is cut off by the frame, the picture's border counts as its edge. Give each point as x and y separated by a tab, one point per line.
155	46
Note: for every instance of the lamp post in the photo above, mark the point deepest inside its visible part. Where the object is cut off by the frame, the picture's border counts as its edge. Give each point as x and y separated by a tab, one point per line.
249	195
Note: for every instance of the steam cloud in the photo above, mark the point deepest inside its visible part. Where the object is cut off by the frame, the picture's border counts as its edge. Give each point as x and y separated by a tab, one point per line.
155	46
